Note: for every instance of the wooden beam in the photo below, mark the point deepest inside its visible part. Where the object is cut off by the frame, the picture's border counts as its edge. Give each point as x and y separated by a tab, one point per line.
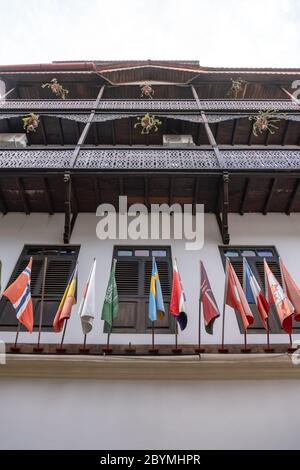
251	135
44	136
60	132
48	195
170	191
97	191
267	138
222	220
74	199
68	190
121	186
95	133
285	132
3	206
8	124
113	132
244	196
208	131
234	131
73	221
195	194
216	131
23	196
225	209
130	131
293	197
86	128
146	192
269	196
199	134
77	130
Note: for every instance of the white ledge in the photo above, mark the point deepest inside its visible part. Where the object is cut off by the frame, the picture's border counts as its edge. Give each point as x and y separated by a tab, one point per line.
208	367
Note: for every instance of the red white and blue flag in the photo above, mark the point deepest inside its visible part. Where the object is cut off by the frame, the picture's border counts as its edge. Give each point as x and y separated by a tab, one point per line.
177	305
19	294
254	294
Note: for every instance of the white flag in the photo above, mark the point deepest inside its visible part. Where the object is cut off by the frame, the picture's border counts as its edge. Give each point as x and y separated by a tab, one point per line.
87	308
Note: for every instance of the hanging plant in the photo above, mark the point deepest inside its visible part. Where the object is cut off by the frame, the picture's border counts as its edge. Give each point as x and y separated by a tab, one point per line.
31	122
264	121
56	89
147	91
148	123
237	85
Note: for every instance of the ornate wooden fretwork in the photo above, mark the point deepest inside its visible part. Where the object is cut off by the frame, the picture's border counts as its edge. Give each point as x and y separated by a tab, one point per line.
151	105
144	159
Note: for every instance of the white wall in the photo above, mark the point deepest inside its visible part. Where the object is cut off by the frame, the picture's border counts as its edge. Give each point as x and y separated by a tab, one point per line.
274	229
149	415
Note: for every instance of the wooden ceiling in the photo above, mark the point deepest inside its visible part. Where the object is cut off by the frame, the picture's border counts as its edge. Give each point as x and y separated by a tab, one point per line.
55	130
248	192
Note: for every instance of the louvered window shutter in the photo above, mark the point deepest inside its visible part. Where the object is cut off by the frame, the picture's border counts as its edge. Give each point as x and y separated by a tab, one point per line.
256	263
133	275
60	265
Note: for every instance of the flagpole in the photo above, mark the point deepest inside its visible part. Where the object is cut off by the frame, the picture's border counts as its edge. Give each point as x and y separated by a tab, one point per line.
15	348
199	350
153	350
223	350
83	349
107	349
176	350
38	348
60	349
245	350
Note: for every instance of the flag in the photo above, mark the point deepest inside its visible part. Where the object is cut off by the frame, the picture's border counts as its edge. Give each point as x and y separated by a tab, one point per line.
210	307
278	297
111	302
87	307
235	296
68	300
19	295
291	288
254	294
177	305
156	307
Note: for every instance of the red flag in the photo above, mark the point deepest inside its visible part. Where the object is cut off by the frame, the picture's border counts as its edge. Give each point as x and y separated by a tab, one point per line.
210	307
235	296
177	305
291	288
20	296
278	297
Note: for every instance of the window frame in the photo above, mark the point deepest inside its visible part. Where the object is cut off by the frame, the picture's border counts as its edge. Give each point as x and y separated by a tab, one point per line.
141	298
36	297
274	323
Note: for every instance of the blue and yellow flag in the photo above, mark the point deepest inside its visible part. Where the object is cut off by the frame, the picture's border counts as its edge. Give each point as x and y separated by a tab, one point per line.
156	302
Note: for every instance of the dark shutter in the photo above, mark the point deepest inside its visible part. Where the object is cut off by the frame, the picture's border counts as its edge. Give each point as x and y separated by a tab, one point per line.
127	277
60	265
257	265
133	275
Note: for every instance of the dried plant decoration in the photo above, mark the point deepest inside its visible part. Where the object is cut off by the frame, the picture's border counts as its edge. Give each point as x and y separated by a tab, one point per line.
237	85
147	91
264	121
31	122
56	89
148	123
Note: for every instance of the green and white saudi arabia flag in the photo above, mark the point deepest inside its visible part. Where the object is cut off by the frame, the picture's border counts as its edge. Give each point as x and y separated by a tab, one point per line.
111	302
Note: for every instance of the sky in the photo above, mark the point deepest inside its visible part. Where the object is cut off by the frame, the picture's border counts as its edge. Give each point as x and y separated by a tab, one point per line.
242	33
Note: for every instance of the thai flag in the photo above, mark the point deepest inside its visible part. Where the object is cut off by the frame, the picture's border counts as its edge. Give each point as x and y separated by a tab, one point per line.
254	294
19	294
